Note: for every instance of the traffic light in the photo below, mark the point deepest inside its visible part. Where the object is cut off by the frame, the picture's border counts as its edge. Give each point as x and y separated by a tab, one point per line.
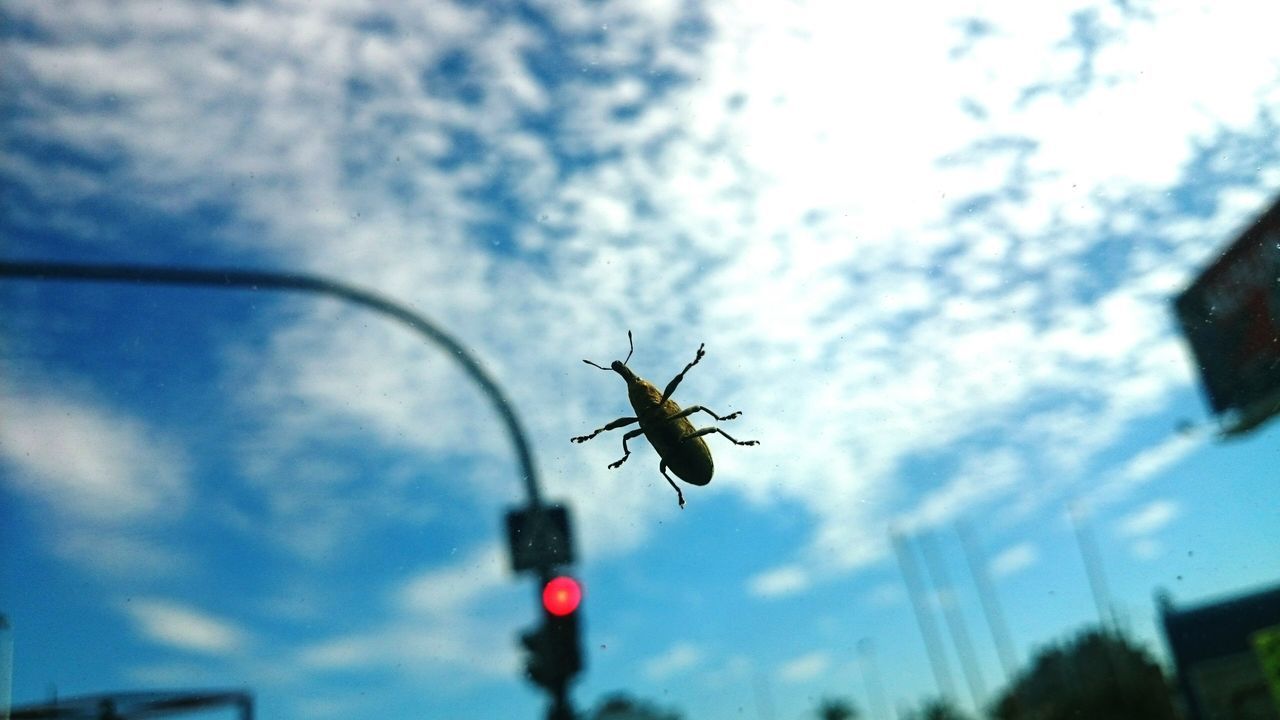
561	596
555	652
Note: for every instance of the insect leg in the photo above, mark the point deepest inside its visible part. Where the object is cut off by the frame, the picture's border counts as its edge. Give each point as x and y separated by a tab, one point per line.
695	408
620	422
708	431
662	468
627	451
671	386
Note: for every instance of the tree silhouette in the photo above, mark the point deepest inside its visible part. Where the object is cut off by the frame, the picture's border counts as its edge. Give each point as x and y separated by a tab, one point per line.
937	709
621	706
837	709
1098	675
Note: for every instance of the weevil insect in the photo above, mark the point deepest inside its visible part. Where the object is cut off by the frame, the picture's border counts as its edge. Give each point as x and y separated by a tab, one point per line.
678	443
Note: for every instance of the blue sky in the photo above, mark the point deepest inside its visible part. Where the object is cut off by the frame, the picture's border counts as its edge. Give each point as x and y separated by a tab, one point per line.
930	251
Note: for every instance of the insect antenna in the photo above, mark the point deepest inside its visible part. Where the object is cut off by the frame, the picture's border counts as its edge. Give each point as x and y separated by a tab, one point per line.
624	362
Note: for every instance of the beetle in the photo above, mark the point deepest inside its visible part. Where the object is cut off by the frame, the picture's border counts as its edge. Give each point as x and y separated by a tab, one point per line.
678	443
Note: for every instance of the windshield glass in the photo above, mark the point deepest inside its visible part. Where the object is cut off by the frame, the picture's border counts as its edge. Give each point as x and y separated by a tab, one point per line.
296	298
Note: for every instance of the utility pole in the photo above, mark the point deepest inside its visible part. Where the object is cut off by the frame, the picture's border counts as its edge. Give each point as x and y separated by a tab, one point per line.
990	603
928	630
947	599
1093	567
871	679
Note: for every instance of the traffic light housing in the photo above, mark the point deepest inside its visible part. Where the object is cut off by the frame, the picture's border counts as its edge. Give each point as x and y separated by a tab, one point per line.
541	541
555	646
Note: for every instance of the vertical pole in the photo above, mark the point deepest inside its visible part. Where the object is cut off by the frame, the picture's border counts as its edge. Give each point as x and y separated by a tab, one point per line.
560	708
946	596
1093	567
990	603
928	631
6	667
871	679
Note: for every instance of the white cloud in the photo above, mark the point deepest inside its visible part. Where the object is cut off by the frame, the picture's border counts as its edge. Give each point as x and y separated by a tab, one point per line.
185	628
118	552
447	590
109	486
1146	548
732	671
461	649
784	580
885	594
1149	518
1144	466
1014	559
805	667
434	625
88	462
983	477
679	658
344	652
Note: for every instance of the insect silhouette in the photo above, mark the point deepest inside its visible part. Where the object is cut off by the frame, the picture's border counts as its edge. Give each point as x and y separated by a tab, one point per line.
678	443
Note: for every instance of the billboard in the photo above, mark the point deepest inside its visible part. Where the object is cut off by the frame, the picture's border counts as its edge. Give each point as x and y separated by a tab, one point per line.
1230	316
1223	655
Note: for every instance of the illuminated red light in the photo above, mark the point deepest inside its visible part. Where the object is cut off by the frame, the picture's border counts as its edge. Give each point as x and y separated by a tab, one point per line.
561	596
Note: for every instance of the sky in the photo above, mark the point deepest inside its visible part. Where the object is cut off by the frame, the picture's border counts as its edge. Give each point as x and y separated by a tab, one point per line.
930	249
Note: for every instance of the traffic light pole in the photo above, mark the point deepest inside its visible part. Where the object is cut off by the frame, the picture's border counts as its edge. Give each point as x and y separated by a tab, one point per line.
561	708
236	279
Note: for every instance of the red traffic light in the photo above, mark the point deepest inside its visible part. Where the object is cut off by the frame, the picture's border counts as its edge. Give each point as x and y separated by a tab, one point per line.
561	595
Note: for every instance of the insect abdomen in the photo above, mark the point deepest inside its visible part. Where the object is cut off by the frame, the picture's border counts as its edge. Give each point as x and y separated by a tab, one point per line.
688	457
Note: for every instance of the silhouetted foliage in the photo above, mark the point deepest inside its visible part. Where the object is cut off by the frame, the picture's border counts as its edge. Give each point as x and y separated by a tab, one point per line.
837	709
1098	675
936	709
621	706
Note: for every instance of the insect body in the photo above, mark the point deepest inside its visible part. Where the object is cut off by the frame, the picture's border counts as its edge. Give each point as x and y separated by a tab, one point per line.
666	425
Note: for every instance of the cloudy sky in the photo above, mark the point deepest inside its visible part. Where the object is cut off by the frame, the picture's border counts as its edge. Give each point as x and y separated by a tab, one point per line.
930	251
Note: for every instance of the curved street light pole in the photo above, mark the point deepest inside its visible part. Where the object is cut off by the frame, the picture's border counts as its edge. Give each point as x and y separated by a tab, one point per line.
231	278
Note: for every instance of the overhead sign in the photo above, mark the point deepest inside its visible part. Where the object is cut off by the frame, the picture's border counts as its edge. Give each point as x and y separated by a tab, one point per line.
1230	316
